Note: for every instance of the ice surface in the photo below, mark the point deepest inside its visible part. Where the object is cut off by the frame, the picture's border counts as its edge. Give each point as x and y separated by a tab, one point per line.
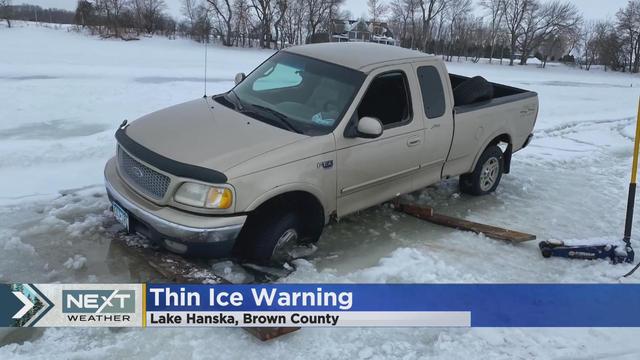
67	92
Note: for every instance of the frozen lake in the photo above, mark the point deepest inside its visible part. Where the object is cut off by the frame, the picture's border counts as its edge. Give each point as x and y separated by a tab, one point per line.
65	93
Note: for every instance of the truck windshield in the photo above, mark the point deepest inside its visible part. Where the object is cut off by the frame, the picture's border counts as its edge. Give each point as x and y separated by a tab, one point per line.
297	93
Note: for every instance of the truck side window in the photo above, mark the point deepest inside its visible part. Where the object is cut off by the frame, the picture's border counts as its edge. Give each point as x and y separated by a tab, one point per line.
387	99
432	91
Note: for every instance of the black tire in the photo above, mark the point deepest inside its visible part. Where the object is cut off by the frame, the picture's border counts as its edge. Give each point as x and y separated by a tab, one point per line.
261	234
473	90
545	249
475	183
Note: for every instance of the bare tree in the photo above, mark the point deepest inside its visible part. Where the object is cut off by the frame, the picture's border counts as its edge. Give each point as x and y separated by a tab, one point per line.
199	23
315	11
609	46
377	9
548	22
242	23
264	12
430	9
280	13
189	9
455	14
111	11
224	11
589	48
332	13
496	13
293	21
149	13
84	12
629	28
5	11
402	17
514	13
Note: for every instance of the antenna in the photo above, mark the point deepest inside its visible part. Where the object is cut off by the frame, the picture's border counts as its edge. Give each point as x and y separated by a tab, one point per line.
205	65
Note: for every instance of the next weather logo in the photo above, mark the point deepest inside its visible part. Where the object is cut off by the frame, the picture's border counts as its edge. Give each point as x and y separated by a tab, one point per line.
89	306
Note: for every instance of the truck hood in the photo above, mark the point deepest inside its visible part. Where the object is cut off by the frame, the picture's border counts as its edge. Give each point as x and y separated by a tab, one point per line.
207	134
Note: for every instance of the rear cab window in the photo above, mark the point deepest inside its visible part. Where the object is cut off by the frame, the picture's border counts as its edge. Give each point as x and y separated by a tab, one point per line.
432	91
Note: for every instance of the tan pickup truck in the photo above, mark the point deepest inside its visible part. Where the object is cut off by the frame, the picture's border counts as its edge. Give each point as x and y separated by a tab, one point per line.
315	132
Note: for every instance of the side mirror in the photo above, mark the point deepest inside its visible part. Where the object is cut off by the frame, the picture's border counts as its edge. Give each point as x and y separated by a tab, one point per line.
239	77
369	127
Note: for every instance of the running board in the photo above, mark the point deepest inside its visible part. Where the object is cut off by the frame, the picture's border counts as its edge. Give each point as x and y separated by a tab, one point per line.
426	213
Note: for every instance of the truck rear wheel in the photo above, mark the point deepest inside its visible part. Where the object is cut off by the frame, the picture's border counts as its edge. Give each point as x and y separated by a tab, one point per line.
486	176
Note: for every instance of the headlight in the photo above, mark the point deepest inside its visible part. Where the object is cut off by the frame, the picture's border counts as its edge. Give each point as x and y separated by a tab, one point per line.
199	195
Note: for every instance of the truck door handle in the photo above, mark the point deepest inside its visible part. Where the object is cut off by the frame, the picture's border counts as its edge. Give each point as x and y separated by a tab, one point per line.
414	141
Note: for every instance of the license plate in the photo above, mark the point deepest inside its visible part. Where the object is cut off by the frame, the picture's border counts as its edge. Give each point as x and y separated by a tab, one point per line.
121	215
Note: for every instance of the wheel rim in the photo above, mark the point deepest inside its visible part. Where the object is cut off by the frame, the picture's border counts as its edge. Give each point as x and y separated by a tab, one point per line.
287	240
489	174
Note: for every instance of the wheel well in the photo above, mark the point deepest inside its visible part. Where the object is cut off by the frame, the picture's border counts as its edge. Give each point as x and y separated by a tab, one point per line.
508	151
504	138
302	203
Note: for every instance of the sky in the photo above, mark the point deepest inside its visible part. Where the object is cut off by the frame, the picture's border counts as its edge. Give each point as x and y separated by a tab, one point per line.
592	9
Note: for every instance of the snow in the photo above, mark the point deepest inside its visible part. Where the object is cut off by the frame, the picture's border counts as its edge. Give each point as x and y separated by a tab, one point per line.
67	92
76	262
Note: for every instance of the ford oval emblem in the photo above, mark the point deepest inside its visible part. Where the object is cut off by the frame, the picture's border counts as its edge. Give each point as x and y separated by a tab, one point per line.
137	172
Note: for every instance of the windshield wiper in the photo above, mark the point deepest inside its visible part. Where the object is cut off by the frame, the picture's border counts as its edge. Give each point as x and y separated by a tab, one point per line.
237	102
284	119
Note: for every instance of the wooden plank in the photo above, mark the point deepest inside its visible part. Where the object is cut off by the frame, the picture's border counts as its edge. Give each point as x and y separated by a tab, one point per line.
176	268
427	213
268	333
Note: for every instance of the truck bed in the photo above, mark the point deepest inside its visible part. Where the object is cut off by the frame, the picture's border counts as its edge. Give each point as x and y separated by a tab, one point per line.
511	112
501	94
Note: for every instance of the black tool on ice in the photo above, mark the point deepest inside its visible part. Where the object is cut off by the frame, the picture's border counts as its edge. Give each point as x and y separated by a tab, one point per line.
616	253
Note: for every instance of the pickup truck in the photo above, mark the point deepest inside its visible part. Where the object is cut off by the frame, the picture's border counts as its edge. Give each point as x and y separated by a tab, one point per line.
316	132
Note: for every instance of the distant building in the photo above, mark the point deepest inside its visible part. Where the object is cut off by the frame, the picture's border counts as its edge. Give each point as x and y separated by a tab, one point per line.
361	31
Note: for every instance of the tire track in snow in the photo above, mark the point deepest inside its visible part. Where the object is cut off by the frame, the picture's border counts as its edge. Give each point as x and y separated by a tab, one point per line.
559	130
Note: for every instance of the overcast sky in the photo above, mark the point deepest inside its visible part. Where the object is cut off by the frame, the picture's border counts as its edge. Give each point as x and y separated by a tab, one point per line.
592	9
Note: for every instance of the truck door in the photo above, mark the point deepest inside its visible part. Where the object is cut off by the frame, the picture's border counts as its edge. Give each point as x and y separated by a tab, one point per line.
374	170
435	110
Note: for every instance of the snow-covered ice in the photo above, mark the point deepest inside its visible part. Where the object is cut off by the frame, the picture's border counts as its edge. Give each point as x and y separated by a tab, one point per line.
64	94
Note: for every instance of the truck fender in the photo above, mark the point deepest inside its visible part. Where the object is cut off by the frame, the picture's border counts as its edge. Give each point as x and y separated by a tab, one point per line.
496	135
290	187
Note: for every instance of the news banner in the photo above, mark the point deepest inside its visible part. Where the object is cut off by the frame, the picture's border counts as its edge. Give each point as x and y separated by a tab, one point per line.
320	305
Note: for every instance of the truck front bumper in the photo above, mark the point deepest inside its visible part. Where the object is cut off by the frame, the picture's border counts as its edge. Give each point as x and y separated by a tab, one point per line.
176	230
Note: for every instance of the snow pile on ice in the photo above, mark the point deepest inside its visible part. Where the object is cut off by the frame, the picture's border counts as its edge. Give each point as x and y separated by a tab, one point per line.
15	244
76	262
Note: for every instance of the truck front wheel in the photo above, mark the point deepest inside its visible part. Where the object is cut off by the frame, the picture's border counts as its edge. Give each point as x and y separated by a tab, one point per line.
486	176
271	237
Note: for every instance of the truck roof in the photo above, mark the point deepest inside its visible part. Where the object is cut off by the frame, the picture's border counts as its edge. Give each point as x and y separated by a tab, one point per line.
356	55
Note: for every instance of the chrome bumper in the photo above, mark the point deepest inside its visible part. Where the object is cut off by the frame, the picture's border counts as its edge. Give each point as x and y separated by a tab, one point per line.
190	230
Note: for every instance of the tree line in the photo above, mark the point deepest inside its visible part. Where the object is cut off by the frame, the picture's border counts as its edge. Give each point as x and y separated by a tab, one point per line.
614	43
515	30
263	23
125	19
25	12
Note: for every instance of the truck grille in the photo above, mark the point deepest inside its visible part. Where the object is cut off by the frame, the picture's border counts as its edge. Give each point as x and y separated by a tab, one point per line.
142	177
